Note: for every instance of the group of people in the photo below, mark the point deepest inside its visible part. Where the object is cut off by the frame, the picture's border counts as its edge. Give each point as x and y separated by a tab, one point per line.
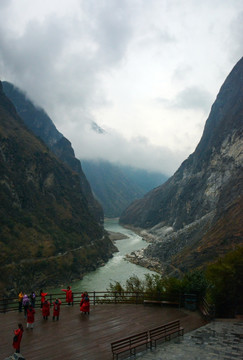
45	307
28	302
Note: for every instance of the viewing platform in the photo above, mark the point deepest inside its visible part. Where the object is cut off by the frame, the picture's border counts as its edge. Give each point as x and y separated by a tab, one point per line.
88	337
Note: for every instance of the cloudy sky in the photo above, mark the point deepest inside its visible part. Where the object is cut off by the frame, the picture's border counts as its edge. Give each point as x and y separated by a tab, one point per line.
146	71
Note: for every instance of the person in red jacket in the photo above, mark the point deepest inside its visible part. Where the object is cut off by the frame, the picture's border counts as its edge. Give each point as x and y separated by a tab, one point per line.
84	303
18	337
69	295
56	309
42	295
45	309
30	317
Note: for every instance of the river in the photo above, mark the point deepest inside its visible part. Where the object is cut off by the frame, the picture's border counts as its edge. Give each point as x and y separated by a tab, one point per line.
117	268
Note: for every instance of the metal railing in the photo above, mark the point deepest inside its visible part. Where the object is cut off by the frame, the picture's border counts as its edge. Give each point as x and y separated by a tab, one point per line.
95	297
206	309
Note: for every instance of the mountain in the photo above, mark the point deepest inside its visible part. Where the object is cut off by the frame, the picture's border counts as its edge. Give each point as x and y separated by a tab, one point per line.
42	126
197	214
47	234
116	186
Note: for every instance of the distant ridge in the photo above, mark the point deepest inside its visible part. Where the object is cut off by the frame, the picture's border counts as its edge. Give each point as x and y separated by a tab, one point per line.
116	186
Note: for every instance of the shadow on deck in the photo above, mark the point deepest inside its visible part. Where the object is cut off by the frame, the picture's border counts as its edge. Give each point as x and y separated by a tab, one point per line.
87	337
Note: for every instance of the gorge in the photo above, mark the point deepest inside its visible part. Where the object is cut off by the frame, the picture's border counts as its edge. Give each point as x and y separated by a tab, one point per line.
197	214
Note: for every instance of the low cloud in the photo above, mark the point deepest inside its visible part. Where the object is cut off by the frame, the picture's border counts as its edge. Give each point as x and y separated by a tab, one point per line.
137	152
191	98
102	62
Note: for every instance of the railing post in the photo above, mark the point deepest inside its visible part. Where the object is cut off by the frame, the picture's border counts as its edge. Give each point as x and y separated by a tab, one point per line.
5	304
94	297
115	297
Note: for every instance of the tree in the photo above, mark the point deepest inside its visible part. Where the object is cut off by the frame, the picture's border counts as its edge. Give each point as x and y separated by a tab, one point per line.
226	284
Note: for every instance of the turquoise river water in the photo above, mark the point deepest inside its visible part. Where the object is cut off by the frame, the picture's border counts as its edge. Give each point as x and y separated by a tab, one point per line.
117	268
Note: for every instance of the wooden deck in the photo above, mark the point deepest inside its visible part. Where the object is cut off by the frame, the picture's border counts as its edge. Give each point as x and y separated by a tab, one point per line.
87	337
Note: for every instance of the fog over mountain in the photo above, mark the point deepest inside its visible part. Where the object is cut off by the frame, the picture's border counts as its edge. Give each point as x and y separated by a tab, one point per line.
146	72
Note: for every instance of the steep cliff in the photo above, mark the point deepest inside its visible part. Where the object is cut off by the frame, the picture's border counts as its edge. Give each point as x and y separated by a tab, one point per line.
197	214
42	126
47	234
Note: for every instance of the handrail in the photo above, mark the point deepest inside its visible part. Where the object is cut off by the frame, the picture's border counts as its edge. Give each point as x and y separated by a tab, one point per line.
206	309
96	297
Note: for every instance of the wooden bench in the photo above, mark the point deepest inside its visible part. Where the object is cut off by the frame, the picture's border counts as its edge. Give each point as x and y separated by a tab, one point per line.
160	302
165	331
130	344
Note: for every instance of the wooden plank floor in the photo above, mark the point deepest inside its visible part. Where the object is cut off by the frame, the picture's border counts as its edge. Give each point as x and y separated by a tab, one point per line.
87	337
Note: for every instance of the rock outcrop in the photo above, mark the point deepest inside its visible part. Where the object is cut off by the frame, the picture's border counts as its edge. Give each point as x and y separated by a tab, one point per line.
197	214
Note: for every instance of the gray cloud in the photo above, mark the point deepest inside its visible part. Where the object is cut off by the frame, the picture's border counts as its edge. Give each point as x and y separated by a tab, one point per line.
190	98
237	32
138	152
67	61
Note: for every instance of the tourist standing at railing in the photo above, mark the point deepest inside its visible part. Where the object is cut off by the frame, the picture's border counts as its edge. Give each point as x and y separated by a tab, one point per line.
42	295
45	309
20	300
69	295
56	309
30	317
84	303
26	302
32	299
18	333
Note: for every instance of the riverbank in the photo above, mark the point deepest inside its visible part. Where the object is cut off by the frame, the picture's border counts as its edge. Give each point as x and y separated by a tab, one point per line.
138	258
117	236
117	269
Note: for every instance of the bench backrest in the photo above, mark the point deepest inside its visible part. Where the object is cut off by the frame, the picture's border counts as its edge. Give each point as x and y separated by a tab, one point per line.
128	341
160	330
173	325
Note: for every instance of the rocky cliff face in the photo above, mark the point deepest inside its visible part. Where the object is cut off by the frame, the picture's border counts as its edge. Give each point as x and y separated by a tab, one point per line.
197	214
42	126
47	234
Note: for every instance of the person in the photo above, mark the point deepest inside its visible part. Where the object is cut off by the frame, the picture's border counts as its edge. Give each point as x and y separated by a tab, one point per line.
45	309
26	302
20	300
56	309
18	333
42	295
84	303
30	317
32	299
69	295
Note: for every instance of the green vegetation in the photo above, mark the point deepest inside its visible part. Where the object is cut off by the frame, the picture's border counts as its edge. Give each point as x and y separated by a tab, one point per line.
221	284
226	284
